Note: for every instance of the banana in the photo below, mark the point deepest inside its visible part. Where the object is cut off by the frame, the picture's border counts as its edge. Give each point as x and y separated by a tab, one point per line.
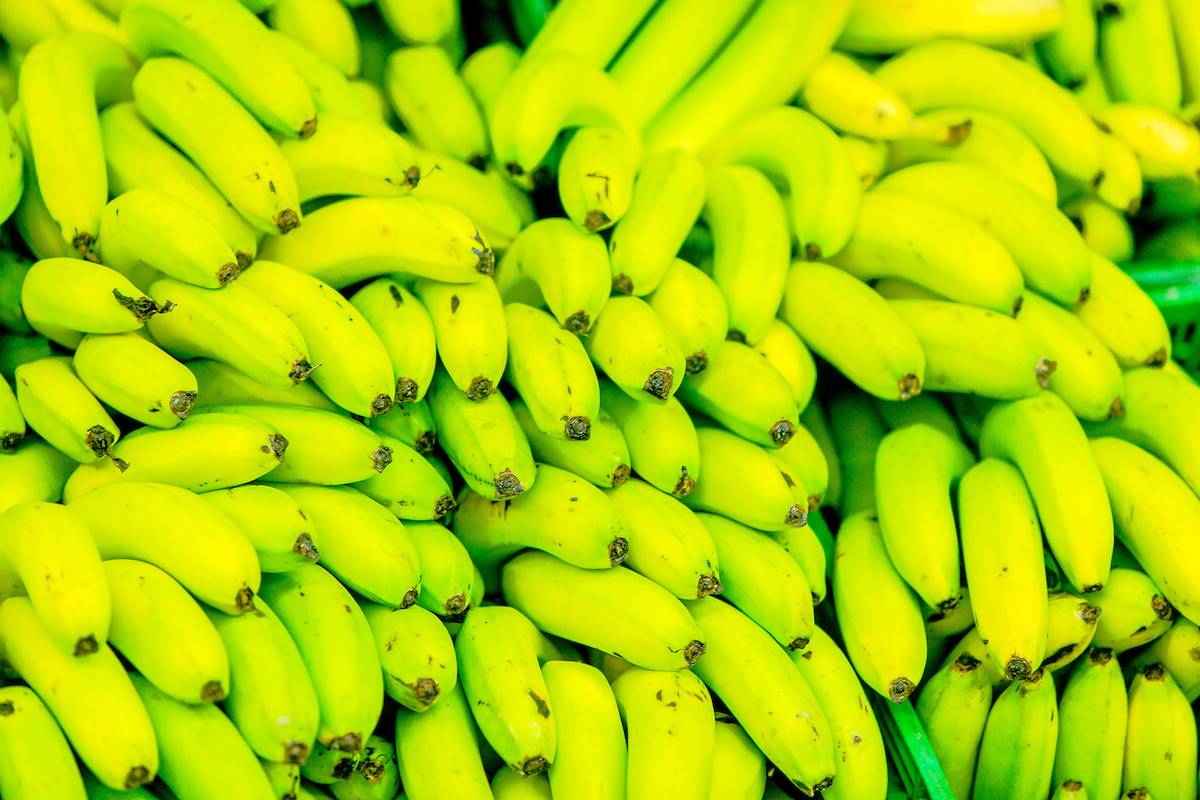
590	753
885	358
868	158
438	754
1156	534
411	487
59	408
666	201
602	459
880	620
803	460
569	266
1166	146
131	374
805	548
664	449
222	384
423	22
954	73
774	51
1016	755
498	465
323	447
471	340
667	543
633	347
149	608
498	668
762	580
976	350
281	534
744	393
376	776
857	431
1160	743
1179	651
75	295
13	269
591	31
925	409
784	350
1122	187
1156	405
1138	55
993	142
118	745
1184	22
739	768
415	674
331	92
37	761
1133	612
62	81
1070	51
544	95
671	732
1058	264
549	369
1124	317
12	169
1070	625
361	543
12	422
327	765
559	500
34	472
434	104
20	349
743	482
498	208
137	158
877	26
209	451
596	177
614	610
1002	556
1092	720
323	26
953	708
404	328
447	574
1105	230
161	525
194	112
352	156
334	640
917	468
40	232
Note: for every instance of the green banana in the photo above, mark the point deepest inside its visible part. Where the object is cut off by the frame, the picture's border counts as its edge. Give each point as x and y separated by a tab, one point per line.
498	667
438	753
12	169
35	755
633	347
1160	740
917	469
485	71
419	22
591	31
596	177
222	384
19	349
590	754
1070	51
1138	55
743	392
813	420
1070	626
549	369
880	620
134	376
73	294
569	267
12	421
411	423
806	551
1016	755
500	209
497	465
1104	229
1177	650
415	653
323	26
664	449
91	698
953	708
471	338
335	643
361	543
411	487
880	27
667	543
602	459
331	92
352	155
34	472
1124	317
857	431
434	104
784	350
403	326
271	697
281	534
1092	720
1132	611
614	610
59	408
743	482
149	608
447	573
559	500
739	768
376	777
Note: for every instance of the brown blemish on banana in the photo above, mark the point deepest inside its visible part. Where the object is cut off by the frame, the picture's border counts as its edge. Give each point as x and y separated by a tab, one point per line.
181	403
86	646
660	382
212	692
782	432
99	440
577	428
1116	409
137	776
1044	369
708	584
276	445
620	474
479	388
228	272
533	766
697	362
1084	294
812	251
507	484
243	601
381	457
305	547
444	505
685	484
406	390
539	703
9	441
578	323
618	550
295	753
966	663
300	370
6	709
910	386
957	133
799	643
1162	609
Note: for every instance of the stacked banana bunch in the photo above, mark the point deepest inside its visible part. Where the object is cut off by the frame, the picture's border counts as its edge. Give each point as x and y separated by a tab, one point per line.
391	411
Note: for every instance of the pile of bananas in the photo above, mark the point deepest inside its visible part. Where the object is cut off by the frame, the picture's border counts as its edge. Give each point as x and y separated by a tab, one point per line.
486	459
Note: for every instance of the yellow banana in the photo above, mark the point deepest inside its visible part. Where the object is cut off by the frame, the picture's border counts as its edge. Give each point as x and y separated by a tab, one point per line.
72	294
12	169
37	760
549	369
1016	756
486	70
272	521
434	104
857	431
867	157
926	409
438	752
34	472
411	487
403	326
499	209
878	26
569	267
12	422
1177	650
323	26
1092	719
1105	230
447	574
663	446
59	408
130	373
1070	625
419	21
1138	55
692	307
1132	611
747	395
596	177
1185	22
415	674
633	347
330	91
743	482
592	31
222	384
1160	740
352	156
590	755
805	549
1165	145
25	25
1124	317
1070	51
953	707
803	460
602	459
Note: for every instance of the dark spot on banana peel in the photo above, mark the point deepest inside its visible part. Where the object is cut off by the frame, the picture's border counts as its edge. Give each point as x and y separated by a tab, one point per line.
406	390
243	259
899	689
454	303
120	463
137	776
1017	668
708	584
618	550
410	598
620	474
287	220
181	403
578	323
343	769
347	742
456	604
507	485
1018	304
480	388
539	703
533	765
967	663
1116	409
381	458
6	709
300	370
295	753
685	484
1154	672
9	442
305	547
1097	179
382	404
444	505
83	242
99	440
782	432
812	251
734	335
596	220
1044	369
212	692
799	643
622	284
243	601
228	272
1162	609
820	785
276	445
86	646
142	308
426	442
957	133
692	652
696	363
660	382
910	386
796	516
578	428
373	769
514	169
1157	358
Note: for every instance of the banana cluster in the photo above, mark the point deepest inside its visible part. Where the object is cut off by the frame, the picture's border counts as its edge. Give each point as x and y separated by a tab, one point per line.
400	400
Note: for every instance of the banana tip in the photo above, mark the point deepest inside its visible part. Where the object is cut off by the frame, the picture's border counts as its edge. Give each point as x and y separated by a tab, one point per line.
709	584
507	485
243	601
305	547
348	742
910	386
1017	668
534	765
212	692
796	516
444	505
426	690
697	362
227	273
9	441
86	645
381	457
693	651
899	689
137	776
276	445
181	403
782	432
578	323
618	550
659	384
685	484
480	388
620	474
426	442
622	284
287	220
407	390
596	220
308	128
410	597
295	753
577	428
381	404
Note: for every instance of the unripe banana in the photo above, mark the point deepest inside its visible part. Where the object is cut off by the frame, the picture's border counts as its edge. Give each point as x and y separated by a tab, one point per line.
1138	55
1124	317
411	487
403	326
415	652
813	419
667	543
614	610
743	482
691	306
857	430
550	370
784	350
1105	230
34	472
91	698
59	408
486	70
596	176
925	409
879	617
602	459
1179	651
272	521
744	393
469	325
559	500
130	373
12	422
669	719
739	768
361	543
1160	741
495	205
149	608
806	550
12	169
376	777
323	26
221	384
209	451
1016	756
1070	626
664	449
590	755
497	466
1132	611
434	104
324	447
76	295
193	111
40	232
352	155
438	752
1092	720
953	707
331	92
762	580
633	347
569	266
37	761
916	471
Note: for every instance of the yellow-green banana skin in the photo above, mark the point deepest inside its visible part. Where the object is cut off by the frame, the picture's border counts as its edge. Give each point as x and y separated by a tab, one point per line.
35	758
1160	740
1091	731
590	758
438	752
1016	756
953	707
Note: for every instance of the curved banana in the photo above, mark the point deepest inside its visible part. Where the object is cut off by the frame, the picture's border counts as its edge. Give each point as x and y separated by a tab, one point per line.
549	369
118	746
362	544
784	350
59	408
602	459
1166	146
880	620
1105	230
496	206
1132	611
138	158
34	472
1016	754
694	311
664	449
149	608
877	26
667	198
12	169
739	767
434	104
1092	720
272	521
352	156
438	752
71	293
1176	650
592	31
62	81
375	776
447	573
805	549
745	394
323	26
590	754
411	487
596	177
486	70
134	376
12	422
403	326
415	674
569	266
633	347
222	384
1070	51
1124	317
1070	626
669	720
1138	55
1043	439
37	761
471	339
331	92
953	708
743	482
420	22
1122	186
762	580
1160	740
